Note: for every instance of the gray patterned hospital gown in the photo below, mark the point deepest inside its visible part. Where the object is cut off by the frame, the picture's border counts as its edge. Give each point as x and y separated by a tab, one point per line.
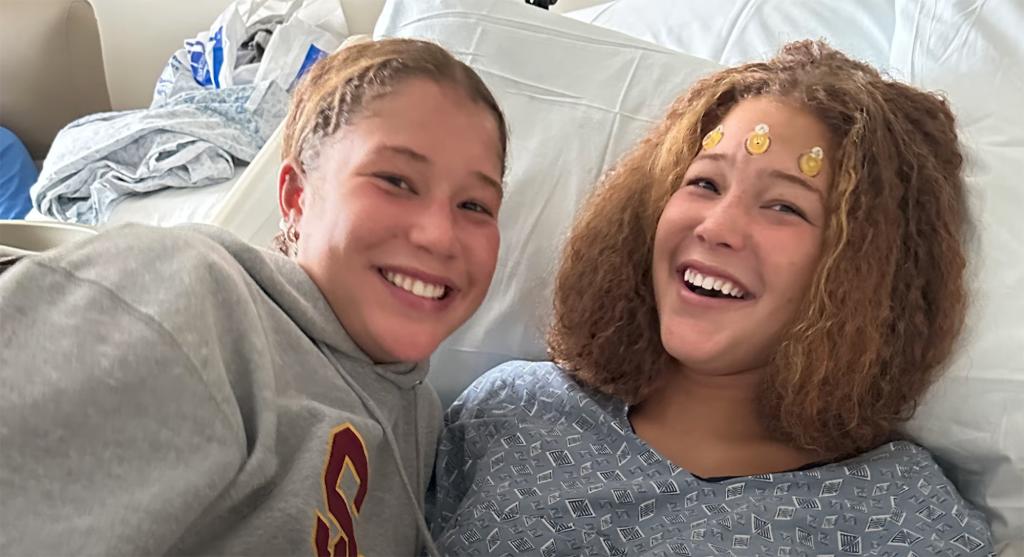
531	463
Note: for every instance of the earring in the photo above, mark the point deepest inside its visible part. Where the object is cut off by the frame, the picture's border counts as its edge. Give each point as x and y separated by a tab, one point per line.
291	237
758	141
811	161
712	138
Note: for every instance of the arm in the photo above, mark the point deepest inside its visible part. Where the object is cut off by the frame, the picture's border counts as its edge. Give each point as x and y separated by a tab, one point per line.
111	441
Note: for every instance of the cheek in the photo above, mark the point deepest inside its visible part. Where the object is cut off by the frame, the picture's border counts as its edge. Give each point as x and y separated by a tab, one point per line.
481	246
796	266
670	225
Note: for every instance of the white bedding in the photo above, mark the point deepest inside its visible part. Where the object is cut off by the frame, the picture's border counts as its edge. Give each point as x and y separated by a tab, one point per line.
168	207
174	205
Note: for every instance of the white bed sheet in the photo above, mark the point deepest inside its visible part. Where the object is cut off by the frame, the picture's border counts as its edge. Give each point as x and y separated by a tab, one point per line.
174	206
168	207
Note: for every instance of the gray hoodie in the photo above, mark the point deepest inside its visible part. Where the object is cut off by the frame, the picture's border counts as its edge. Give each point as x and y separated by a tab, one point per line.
181	392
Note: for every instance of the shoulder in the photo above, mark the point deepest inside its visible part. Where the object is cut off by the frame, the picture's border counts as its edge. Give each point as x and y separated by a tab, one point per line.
911	470
903	461
529	391
516	378
511	382
147	247
510	387
922	496
138	261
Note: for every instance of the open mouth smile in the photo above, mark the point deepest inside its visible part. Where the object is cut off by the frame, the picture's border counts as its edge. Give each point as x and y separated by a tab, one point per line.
419	288
710	286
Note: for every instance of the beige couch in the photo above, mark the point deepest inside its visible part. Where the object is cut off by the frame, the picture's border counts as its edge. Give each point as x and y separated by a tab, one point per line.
51	68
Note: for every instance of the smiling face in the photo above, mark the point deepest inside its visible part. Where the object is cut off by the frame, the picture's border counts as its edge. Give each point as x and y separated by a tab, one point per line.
397	222
746	225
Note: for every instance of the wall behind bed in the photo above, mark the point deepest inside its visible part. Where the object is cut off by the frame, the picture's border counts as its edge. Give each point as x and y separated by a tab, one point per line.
138	36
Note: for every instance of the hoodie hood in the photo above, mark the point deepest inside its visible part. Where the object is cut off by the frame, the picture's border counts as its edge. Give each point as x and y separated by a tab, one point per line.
298	296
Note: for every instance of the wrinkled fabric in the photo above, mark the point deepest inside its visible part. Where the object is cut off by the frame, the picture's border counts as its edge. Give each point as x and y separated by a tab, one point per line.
532	463
193	139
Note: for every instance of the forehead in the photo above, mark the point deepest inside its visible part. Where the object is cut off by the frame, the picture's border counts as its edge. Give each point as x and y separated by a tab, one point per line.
423	105
790	128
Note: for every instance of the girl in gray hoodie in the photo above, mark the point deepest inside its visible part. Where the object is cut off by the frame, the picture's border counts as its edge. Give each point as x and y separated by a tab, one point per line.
177	391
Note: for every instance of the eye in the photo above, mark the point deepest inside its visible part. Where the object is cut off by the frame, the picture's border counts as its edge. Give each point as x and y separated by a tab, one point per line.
396	181
789	209
476	207
704	184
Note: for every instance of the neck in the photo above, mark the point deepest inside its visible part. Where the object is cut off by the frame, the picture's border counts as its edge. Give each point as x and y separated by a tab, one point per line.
720	407
711	425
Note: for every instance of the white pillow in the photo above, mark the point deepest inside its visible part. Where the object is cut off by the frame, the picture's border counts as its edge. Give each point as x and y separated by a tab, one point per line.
736	31
972	51
576	97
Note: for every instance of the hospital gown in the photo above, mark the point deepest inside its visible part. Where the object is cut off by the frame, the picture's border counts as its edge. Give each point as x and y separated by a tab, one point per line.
531	463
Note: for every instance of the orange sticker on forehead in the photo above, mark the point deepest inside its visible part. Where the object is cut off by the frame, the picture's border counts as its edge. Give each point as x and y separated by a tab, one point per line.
713	137
810	163
758	141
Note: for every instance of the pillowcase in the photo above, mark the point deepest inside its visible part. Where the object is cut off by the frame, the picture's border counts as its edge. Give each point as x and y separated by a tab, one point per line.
736	31
974	418
576	97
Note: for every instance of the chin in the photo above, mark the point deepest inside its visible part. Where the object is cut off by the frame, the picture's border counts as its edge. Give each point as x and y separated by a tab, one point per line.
411	347
718	364
706	359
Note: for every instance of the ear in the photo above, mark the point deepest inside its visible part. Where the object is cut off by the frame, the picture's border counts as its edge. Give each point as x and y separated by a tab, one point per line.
290	189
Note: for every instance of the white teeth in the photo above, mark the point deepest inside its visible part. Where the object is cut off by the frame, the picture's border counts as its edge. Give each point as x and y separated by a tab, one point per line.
419	289
712	283
415	286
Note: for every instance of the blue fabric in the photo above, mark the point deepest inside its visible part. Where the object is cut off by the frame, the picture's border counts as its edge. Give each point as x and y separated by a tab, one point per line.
17	174
532	463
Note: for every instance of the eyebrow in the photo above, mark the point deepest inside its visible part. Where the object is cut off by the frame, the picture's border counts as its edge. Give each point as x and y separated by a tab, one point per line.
794	179
777	174
420	158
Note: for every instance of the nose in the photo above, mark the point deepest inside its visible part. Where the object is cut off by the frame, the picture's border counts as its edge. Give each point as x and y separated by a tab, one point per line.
724	224
434	229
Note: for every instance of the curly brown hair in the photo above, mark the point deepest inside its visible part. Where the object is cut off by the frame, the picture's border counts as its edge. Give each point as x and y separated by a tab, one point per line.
336	90
888	298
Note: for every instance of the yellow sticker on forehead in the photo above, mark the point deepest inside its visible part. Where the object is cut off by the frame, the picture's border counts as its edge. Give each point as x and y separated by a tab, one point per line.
758	141
713	138
810	162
